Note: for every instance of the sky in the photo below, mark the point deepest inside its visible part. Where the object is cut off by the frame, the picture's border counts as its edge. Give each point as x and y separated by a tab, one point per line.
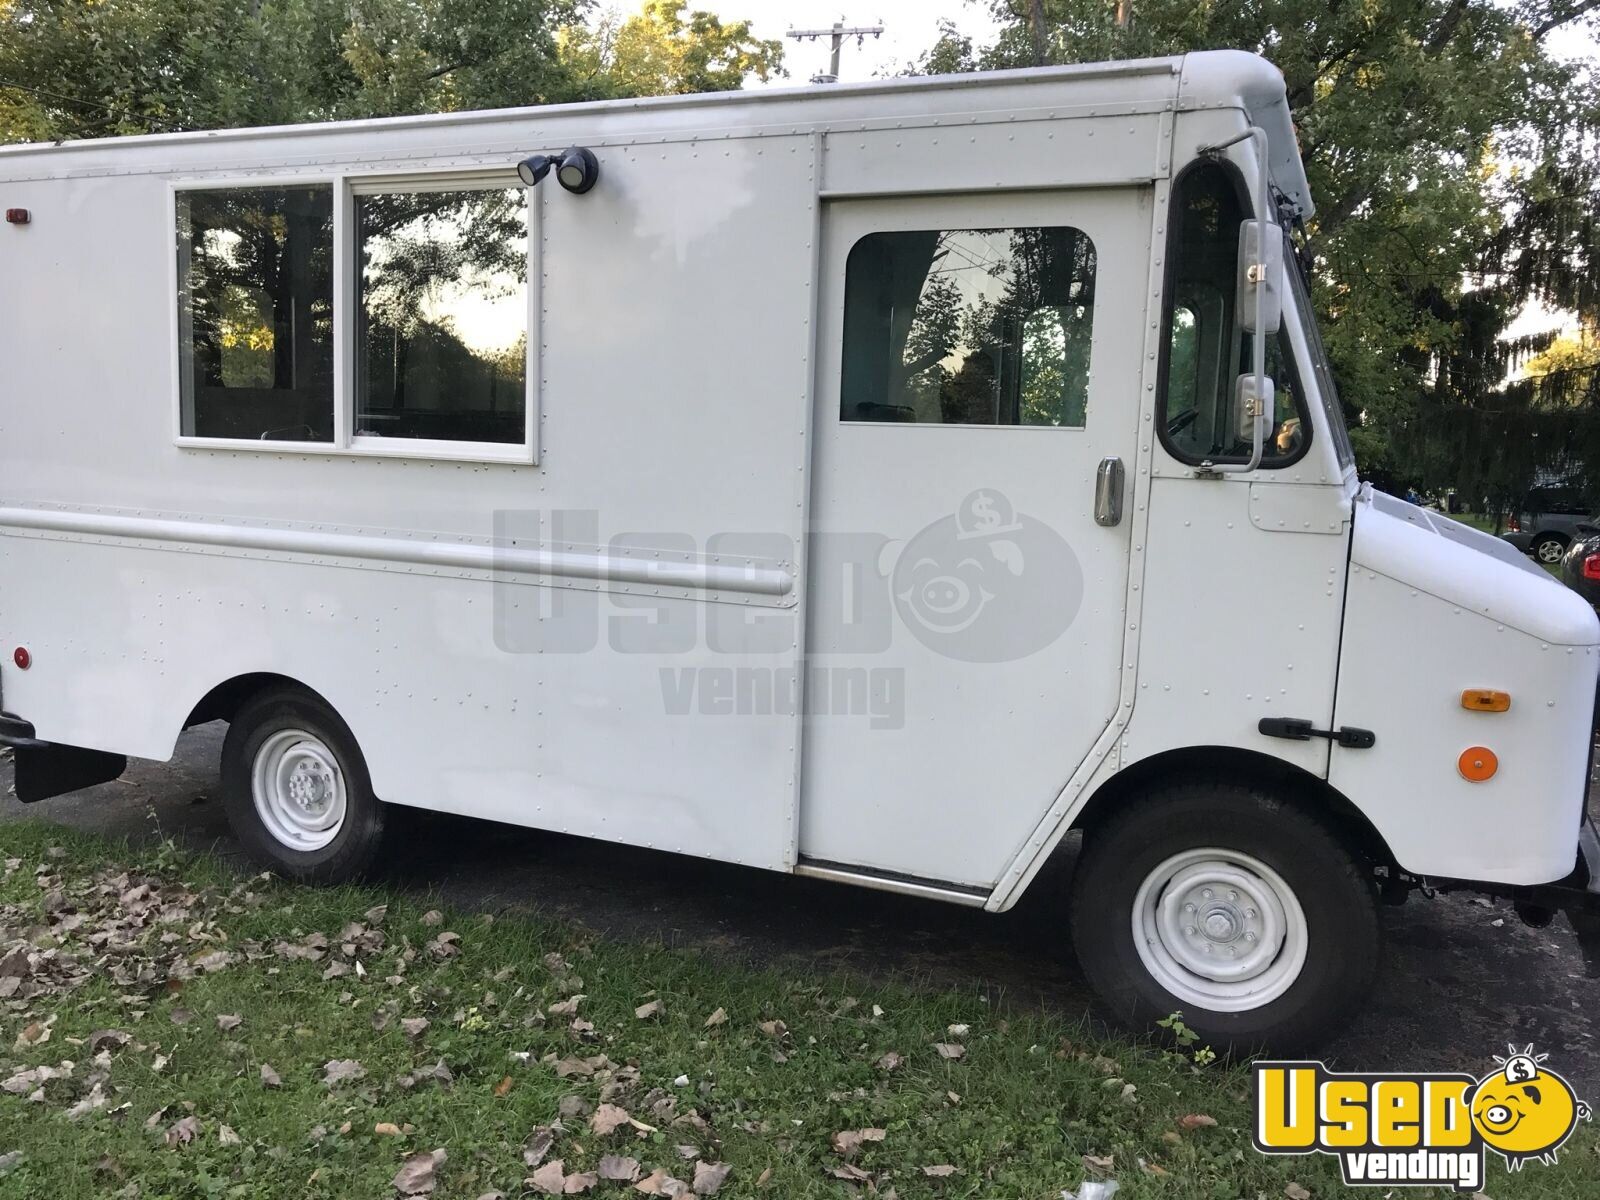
910	27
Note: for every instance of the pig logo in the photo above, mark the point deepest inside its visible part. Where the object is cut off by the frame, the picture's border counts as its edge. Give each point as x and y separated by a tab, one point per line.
1525	1110
986	584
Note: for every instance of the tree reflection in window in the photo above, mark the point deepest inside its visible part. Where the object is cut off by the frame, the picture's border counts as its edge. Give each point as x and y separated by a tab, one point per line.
969	327
255	313
443	307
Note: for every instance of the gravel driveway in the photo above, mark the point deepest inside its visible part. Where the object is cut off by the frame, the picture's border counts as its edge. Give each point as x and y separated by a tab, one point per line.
1459	980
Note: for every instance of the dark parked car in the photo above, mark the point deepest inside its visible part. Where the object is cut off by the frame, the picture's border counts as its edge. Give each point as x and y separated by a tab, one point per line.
1580	566
1548	522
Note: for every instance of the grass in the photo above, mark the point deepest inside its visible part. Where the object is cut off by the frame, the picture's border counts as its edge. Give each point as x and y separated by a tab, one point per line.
1033	1105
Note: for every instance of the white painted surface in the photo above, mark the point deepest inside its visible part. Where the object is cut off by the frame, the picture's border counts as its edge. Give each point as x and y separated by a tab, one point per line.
986	746
1428	617
684	332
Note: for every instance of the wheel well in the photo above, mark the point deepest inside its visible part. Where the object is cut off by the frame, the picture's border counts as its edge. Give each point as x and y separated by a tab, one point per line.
229	696
1293	784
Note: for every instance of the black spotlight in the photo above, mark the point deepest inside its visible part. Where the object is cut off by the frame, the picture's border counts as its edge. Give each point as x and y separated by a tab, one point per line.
578	169
532	170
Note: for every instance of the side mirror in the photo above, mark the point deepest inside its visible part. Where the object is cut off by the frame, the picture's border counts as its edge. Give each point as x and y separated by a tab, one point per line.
1254	410
1260	281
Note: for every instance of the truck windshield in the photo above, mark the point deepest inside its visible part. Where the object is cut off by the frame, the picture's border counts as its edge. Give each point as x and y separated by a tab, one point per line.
1332	410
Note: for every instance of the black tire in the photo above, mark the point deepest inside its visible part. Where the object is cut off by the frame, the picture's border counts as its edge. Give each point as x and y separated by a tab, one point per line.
1333	889
355	847
1551	544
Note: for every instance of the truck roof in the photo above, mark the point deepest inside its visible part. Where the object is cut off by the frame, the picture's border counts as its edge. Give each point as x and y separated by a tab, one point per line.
1199	80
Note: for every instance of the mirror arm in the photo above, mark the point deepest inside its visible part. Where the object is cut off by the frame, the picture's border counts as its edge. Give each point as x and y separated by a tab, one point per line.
1258	345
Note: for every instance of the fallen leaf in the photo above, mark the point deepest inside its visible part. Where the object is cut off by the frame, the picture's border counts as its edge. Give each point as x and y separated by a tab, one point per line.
417	1176
957	1031
107	1039
229	1021
950	1050
764	1178
338	1070
567	1007
1295	1192
414	1027
9	1161
432	917
1196	1121
608	1118
181	1133
538	1145
95	1099
504	1086
850	1172
848	1141
774	1029
720	1017
620	1167
709	1177
889	1062
386	1129
551	1179
227	1136
940	1171
1103	1163
579	1182
645	1011
659	1183
269	1077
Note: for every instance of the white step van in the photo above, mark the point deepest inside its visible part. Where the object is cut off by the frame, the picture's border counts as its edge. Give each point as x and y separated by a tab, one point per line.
876	483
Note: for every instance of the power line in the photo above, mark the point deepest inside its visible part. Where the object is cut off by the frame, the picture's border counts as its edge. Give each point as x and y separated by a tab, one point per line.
836	33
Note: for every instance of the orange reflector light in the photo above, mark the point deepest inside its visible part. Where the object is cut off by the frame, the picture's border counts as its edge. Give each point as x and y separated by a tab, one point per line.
1484	700
1477	763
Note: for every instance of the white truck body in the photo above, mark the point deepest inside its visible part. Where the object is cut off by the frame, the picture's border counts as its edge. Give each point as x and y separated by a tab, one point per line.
663	610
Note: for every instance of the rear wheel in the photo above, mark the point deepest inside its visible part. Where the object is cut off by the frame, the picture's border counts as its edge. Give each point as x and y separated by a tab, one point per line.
1548	548
1247	915
296	790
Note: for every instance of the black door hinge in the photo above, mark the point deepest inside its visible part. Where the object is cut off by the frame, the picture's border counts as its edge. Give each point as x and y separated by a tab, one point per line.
1297	729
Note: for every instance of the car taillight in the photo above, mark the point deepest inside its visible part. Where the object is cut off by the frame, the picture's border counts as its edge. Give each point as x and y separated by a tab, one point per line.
1591	566
1514	523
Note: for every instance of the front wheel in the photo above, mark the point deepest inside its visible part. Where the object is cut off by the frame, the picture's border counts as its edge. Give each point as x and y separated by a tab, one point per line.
296	790
1549	549
1247	915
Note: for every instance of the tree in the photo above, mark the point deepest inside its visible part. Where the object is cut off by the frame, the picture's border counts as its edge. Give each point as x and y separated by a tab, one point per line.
1453	160
660	52
94	68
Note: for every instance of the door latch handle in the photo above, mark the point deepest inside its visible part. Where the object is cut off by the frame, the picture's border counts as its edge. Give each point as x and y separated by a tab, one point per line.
1108	491
1298	729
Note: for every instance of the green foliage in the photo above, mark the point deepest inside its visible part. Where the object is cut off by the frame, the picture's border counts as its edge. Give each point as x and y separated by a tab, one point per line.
1452	158
660	51
471	1035
93	68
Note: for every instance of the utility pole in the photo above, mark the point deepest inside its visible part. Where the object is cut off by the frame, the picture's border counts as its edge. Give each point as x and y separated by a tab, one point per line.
838	33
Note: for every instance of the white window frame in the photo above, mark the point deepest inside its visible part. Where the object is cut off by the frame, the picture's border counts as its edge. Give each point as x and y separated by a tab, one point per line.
346	186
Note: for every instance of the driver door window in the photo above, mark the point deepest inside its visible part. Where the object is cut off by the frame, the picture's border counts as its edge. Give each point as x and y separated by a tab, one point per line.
1205	350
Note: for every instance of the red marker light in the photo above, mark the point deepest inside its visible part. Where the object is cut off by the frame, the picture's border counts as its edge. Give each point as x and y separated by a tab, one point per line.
18	216
1591	567
22	658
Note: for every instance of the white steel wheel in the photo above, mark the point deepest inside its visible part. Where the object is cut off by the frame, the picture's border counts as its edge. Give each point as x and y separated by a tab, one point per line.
1219	929
298	789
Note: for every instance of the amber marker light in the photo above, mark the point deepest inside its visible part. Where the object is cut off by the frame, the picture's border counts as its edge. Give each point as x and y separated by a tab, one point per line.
1477	763
1485	700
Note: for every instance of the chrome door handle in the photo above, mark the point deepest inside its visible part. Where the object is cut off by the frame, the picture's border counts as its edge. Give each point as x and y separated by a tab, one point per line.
1108	491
